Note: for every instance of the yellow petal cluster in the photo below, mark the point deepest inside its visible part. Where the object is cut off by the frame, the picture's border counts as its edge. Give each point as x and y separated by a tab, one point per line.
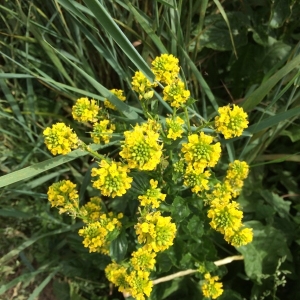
165	68
141	148
112	178
211	288
64	195
119	94
153	196
231	122
60	139
102	131
175	129
176	94
85	110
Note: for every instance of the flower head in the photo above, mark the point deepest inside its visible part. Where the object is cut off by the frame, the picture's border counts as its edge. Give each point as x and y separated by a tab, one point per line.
211	288
225	217
140	284
240	237
63	194
102	131
200	153
153	196
119	94
141	148
165	68
91	211
143	259
176	94
142	85
196	179
156	231
175	129
117	274
85	110
60	139
231	122
112	179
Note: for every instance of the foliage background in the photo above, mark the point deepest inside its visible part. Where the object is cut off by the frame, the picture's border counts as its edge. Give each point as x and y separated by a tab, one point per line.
243	52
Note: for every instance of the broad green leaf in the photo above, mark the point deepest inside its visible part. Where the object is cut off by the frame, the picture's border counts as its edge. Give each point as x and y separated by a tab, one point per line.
281	206
279	13
118	247
262	254
179	209
216	34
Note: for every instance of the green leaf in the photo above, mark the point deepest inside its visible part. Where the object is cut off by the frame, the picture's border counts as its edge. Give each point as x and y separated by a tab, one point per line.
179	209
195	227
262	254
279	13
61	290
105	20
281	206
216	34
258	95
118	247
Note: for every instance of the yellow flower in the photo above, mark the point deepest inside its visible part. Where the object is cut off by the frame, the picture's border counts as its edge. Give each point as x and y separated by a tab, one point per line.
102	131
91	211
200	153
142	86
60	139
196	179
211	288
63	194
165	68
235	175
85	110
241	237
143	259
141	148
140	284
176	94
119	94
225	217
153	196
156	231
95	237
231	122
117	274
221	192
175	129
112	178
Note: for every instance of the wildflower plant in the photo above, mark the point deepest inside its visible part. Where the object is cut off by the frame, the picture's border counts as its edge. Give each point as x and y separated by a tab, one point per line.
171	175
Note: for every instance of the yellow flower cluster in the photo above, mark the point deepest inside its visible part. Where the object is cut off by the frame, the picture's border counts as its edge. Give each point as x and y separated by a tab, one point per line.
231	122
153	196
119	94
142	86
176	94
225	214
60	139
175	129
141	148
96	235
156	231
85	110
200	153
197	179
211	288
165	68
112	179
135	282
63	195
102	131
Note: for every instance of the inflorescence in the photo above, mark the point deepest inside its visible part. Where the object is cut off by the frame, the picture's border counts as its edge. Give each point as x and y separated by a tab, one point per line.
143	149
